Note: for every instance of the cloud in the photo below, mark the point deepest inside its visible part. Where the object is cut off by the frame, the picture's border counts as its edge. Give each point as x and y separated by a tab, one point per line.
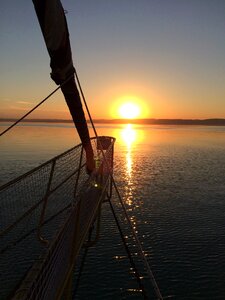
20	105
16	107
23	102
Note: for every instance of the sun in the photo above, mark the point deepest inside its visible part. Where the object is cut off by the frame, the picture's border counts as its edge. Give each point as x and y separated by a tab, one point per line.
129	107
129	110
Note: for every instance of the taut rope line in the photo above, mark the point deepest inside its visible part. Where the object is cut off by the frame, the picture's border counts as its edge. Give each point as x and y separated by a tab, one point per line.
151	275
149	271
35	107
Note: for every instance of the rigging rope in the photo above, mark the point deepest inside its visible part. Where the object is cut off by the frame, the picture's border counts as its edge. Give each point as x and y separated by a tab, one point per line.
149	271
136	273
34	108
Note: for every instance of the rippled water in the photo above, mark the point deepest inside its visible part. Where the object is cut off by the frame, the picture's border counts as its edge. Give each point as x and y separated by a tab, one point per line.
172	179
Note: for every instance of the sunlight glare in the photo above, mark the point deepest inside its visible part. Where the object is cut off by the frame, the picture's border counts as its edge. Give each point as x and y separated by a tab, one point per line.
129	135
129	110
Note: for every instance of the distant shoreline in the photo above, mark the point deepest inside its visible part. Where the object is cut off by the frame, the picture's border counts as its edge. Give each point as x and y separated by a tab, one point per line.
209	122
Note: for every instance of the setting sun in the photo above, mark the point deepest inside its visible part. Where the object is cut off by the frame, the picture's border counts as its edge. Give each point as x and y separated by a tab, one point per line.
129	110
129	107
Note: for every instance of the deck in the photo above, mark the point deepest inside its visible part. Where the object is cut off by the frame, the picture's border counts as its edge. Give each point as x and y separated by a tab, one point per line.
45	217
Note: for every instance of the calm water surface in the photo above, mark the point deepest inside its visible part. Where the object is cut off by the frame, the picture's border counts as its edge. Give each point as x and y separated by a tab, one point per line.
172	179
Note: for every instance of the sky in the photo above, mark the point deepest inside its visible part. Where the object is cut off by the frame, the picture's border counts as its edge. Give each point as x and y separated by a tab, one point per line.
167	56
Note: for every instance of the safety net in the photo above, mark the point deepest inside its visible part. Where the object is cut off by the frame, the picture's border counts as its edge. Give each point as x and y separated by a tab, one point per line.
45	215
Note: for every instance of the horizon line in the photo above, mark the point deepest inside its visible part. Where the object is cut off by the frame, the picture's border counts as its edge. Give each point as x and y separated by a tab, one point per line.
152	121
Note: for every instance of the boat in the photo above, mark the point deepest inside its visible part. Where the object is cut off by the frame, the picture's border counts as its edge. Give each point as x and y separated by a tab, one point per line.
46	215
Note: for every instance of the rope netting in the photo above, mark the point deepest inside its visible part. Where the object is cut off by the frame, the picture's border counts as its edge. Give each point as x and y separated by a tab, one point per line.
38	212
38	203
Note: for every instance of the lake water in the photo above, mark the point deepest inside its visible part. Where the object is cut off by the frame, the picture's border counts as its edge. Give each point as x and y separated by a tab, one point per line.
172	180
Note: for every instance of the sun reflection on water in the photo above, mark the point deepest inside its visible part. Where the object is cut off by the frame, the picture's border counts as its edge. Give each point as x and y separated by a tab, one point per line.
129	137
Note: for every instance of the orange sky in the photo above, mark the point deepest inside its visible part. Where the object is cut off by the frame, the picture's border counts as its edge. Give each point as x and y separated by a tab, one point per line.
169	58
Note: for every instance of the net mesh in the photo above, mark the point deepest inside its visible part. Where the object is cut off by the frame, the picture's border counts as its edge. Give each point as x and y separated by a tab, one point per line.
50	203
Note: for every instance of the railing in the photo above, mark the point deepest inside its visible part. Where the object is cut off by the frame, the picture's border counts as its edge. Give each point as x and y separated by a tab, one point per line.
45	216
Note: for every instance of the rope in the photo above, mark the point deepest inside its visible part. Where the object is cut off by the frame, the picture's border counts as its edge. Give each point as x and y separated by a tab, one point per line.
35	107
155	286
137	275
149	271
23	237
86	106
